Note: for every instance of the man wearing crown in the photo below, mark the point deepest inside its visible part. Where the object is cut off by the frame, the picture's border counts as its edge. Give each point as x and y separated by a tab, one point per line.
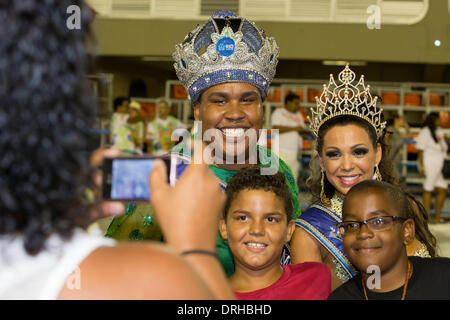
226	66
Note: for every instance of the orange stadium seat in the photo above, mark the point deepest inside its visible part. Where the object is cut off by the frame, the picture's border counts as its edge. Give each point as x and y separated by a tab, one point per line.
435	100
445	119
307	144
301	94
411	147
179	92
412	99
390	98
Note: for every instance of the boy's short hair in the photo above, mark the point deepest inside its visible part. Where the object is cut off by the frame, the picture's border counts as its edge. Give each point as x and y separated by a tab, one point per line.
250	178
118	102
290	97
398	197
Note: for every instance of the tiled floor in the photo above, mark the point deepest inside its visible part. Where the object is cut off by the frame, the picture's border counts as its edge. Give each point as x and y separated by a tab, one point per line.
442	231
442	234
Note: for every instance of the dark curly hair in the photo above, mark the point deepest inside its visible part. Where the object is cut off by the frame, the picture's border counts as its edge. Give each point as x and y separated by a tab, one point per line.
250	178
45	119
430	122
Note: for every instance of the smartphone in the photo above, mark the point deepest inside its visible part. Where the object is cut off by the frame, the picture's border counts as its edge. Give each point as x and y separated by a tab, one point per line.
126	178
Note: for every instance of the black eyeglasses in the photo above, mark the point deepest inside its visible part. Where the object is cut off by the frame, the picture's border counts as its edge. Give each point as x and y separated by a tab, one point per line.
374	224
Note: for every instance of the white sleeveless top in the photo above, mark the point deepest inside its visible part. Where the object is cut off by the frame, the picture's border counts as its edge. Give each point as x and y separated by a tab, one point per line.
23	276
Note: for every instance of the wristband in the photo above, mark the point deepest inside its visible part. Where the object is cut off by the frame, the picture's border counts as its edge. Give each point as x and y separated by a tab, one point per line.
206	252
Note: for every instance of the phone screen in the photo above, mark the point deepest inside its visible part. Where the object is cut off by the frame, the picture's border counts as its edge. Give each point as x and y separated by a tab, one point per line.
127	178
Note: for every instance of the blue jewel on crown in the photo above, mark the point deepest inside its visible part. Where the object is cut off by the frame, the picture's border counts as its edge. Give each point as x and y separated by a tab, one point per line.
226	44
221	50
225	47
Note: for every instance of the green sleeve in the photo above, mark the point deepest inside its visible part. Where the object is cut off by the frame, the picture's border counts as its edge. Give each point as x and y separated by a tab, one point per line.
139	223
225	256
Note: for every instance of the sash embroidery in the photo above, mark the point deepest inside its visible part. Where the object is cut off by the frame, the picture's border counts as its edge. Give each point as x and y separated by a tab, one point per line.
326	235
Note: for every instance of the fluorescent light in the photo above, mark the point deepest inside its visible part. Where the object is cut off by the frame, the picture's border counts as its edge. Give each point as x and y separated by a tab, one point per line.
343	63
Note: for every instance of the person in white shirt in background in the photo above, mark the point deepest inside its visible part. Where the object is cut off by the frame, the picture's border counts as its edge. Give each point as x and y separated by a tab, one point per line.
159	131
137	128
432	150
125	128
119	117
291	125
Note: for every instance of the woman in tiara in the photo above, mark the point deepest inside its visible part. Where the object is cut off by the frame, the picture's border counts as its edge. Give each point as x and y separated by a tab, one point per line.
349	130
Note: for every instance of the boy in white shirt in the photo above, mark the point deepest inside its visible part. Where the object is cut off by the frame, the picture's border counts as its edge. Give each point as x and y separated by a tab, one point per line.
290	123
159	131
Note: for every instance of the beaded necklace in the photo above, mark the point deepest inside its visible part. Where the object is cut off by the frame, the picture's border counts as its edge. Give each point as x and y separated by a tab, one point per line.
336	205
405	286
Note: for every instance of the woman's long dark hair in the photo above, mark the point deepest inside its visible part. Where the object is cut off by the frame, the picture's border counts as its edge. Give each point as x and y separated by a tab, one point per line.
430	122
45	118
420	217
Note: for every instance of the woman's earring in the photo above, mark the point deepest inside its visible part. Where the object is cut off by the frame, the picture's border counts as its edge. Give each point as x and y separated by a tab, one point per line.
377	175
323	197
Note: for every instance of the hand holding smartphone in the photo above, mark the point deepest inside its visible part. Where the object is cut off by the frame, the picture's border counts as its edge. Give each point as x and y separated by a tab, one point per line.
126	178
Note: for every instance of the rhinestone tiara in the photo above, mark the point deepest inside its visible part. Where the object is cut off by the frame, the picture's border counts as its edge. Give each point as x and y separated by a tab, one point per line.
346	99
225	49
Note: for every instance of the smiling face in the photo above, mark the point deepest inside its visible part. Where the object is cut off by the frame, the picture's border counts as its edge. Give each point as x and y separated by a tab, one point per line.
256	228
233	109
385	248
348	157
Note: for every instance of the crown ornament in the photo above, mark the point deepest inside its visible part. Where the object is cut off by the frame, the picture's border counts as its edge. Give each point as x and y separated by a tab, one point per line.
225	49
346	98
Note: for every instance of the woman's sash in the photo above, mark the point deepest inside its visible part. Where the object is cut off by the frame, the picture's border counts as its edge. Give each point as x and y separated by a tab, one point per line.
320	222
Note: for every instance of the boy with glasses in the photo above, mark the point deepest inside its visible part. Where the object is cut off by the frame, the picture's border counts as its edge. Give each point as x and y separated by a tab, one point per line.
377	226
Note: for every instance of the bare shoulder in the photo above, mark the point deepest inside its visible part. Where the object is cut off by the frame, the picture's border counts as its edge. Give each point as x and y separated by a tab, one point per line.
137	271
304	248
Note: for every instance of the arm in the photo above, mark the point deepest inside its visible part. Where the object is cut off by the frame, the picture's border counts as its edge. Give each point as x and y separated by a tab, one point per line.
304	248
202	199
420	163
155	271
135	119
447	139
408	134
137	271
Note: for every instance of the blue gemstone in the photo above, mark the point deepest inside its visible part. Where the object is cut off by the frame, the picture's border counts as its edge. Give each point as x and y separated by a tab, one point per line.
271	59
183	63
225	47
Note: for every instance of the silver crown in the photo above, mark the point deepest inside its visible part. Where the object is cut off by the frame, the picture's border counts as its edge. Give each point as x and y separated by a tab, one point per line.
245	55
346	99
